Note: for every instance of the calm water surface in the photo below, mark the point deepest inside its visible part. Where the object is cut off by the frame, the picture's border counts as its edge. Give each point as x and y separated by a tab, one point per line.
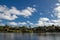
29	36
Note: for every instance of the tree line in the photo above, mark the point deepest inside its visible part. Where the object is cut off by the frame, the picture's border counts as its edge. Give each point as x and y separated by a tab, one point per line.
29	29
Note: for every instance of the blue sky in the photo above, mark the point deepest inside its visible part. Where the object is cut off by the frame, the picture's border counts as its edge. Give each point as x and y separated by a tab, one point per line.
29	12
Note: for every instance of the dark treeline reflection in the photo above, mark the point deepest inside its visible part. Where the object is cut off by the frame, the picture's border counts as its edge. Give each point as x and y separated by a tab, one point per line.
29	29
30	36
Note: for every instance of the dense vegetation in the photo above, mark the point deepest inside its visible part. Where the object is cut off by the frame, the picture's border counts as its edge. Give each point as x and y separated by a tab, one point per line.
25	29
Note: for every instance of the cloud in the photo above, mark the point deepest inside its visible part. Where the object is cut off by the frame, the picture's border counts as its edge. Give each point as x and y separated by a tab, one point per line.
25	12
57	4
56	13
14	10
52	15
30	23
22	23
42	22
41	13
48	22
56	10
58	0
34	5
12	23
13	13
0	20
8	17
16	23
2	24
56	22
5	14
43	19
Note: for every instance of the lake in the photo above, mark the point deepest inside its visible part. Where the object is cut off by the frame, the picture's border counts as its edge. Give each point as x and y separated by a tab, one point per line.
29	36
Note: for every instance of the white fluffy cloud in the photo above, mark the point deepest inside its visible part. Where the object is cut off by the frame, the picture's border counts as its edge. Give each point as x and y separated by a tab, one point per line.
12	23
56	14
56	22
48	22
57	4
57	11
17	23
43	21
40	23
8	17
11	13
28	11
25	12
22	23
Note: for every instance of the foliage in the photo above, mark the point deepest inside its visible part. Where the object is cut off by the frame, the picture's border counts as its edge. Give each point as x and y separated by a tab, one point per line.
24	29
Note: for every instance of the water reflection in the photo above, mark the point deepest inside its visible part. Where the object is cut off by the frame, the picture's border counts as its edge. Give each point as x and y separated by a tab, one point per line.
30	36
